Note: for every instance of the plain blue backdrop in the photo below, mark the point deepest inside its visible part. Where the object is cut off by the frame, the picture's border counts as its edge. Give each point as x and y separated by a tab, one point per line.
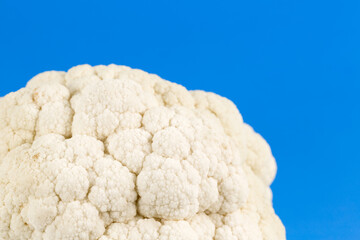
292	68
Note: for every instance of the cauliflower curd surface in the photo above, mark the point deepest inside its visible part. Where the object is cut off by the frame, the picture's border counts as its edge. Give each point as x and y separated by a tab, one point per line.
114	153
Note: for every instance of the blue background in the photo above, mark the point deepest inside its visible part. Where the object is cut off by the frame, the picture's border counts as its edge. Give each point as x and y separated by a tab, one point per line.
292	68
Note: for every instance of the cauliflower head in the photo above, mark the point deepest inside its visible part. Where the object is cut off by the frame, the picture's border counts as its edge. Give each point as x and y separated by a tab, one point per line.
114	153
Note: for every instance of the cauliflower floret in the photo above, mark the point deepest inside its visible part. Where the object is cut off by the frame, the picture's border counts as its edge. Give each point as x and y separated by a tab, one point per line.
78	221
72	183
168	188
170	143
113	189
145	229
130	147
115	153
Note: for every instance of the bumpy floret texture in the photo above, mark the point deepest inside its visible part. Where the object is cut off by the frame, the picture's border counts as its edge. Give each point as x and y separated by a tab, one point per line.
114	153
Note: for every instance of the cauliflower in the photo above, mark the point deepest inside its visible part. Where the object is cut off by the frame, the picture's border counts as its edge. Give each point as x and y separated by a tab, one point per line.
114	153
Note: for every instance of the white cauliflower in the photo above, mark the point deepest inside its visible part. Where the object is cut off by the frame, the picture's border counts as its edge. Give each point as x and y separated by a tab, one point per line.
114	153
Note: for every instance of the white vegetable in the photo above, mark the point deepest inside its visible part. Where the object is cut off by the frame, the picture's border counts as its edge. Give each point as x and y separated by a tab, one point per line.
114	153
